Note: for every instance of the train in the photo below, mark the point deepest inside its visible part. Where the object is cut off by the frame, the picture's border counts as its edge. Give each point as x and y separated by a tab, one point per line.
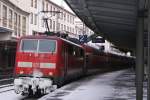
44	63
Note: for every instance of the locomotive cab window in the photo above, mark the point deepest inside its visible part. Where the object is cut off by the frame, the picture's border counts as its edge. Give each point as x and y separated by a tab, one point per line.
35	45
28	45
47	46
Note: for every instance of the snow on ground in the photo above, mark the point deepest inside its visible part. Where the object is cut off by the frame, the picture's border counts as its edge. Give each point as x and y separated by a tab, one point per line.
10	95
99	87
6	89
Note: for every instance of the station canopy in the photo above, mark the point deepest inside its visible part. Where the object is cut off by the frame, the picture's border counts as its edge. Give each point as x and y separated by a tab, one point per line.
115	20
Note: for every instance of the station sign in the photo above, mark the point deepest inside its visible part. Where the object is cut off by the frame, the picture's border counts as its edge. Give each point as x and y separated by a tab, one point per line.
83	38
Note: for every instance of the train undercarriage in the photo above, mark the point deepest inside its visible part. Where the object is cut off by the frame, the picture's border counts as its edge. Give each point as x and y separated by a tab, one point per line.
32	86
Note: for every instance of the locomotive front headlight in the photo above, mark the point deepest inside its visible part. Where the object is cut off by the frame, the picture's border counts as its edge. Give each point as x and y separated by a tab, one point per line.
21	72
50	73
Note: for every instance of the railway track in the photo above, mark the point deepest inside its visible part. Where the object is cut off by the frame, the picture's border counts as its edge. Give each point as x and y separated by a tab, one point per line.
6	88
6	81
6	85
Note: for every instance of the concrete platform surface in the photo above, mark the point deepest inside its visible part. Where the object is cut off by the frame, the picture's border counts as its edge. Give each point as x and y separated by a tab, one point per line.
117	85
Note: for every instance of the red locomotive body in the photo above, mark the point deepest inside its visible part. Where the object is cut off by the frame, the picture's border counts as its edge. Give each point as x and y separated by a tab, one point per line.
45	61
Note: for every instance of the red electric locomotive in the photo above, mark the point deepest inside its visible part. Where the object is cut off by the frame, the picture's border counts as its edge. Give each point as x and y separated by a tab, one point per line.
45	61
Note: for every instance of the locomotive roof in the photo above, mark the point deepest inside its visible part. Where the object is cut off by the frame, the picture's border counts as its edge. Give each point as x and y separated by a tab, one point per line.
49	37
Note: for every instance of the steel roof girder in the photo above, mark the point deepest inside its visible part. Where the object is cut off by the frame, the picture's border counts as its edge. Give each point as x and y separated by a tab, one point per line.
108	18
110	10
116	26
114	15
112	5
121	2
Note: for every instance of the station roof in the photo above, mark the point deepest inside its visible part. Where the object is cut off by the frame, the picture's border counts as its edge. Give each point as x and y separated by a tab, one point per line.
115	20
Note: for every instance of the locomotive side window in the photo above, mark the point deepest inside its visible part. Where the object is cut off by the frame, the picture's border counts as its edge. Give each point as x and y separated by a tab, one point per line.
63	50
70	50
29	45
77	51
81	53
47	46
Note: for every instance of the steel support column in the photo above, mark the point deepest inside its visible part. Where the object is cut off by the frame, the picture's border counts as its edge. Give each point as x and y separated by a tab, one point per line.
148	57
140	52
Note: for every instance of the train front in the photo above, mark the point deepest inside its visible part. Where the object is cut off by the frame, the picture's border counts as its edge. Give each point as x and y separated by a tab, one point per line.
35	65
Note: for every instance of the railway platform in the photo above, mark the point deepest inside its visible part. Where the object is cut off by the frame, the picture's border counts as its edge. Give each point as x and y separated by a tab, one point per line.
117	85
124	87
